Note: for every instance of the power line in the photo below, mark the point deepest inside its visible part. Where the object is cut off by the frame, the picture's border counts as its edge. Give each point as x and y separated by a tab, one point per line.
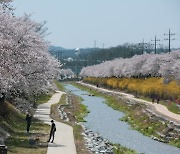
155	41
169	39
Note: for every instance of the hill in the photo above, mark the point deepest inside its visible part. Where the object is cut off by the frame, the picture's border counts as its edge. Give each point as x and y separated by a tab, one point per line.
62	53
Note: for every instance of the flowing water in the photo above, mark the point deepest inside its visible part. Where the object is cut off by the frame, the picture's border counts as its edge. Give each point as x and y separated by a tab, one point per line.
105	121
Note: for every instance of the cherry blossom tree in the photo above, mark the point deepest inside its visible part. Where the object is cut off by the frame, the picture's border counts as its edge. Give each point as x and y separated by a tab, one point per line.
26	67
66	74
165	65
6	5
5	1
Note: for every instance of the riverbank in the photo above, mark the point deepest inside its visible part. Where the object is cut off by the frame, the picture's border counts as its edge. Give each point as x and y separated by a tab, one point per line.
151	89
141	120
70	111
13	122
64	138
73	112
97	144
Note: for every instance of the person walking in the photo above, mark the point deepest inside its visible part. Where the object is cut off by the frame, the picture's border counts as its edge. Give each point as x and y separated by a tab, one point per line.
158	99
28	120
52	132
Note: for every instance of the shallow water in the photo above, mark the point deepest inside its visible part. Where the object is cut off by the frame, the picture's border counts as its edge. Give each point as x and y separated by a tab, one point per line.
105	121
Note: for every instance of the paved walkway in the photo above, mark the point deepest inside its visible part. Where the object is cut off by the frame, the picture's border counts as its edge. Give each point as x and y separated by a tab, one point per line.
64	138
159	108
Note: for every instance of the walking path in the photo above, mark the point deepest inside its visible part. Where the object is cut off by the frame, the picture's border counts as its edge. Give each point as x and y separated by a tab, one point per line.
64	138
159	108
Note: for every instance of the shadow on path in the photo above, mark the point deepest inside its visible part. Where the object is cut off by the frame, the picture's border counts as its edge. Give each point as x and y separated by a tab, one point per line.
55	145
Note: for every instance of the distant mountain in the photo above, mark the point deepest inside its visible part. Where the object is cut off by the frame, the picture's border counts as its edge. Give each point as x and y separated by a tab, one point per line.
55	48
66	53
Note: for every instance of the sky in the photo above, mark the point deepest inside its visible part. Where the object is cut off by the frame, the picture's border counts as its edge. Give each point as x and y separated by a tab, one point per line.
81	23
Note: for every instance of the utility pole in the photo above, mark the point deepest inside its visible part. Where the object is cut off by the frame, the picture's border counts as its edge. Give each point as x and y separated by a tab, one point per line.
59	55
103	45
142	44
133	47
95	44
155	41
77	52
169	39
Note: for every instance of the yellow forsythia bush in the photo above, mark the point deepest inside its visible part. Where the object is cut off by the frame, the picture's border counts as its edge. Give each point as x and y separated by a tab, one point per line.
143	86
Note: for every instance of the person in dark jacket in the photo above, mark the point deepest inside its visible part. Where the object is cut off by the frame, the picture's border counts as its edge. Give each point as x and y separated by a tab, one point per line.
28	120
52	132
158	99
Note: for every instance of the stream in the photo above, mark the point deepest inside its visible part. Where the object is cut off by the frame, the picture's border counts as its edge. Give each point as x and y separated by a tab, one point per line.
105	121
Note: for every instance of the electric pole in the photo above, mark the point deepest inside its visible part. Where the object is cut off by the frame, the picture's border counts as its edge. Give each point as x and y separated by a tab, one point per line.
155	41
103	45
95	44
142	45
169	39
59	55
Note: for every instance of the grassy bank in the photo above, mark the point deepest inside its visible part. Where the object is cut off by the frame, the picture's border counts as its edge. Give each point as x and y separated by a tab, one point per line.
111	102
42	99
59	85
82	110
77	129
147	88
14	123
171	105
77	113
123	150
135	115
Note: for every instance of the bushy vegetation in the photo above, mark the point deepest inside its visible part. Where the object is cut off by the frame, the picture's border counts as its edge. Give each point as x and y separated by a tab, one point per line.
150	87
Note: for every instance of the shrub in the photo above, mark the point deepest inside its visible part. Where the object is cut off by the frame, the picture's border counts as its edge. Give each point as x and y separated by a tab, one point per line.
142	86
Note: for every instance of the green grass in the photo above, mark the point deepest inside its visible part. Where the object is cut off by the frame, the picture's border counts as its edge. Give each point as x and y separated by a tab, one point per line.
77	129
172	106
122	150
59	85
43	98
14	122
81	113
